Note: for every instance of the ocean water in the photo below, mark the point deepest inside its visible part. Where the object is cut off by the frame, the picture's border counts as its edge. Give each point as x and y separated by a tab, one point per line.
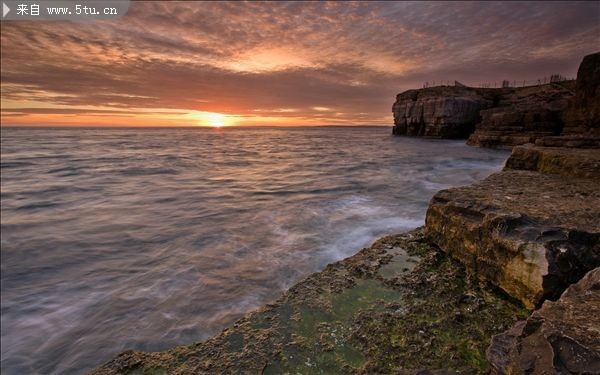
115	239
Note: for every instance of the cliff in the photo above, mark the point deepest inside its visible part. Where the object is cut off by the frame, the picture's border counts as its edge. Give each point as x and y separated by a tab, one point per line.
523	115
583	114
533	230
440	112
504	117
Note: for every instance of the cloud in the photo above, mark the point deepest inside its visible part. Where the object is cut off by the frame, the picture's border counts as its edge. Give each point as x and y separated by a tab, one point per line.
255	59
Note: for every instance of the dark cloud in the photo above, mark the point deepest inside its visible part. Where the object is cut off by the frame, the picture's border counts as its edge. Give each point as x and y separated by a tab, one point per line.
285	59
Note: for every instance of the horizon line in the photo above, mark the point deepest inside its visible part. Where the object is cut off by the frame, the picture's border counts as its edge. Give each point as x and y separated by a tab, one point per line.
190	126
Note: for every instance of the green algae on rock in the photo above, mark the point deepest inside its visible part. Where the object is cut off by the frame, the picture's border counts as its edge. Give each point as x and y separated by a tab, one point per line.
374	312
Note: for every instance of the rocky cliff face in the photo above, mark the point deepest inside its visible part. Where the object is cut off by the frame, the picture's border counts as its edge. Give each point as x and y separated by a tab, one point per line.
504	117
583	114
439	112
533	229
523	115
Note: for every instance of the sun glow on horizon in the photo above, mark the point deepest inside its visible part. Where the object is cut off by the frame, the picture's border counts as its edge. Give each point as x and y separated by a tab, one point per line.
212	119
216	120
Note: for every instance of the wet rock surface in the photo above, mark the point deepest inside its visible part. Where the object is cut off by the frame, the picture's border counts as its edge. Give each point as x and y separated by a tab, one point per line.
562	337
400	306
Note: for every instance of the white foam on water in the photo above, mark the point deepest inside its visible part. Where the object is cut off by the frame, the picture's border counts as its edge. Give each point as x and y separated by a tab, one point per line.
150	238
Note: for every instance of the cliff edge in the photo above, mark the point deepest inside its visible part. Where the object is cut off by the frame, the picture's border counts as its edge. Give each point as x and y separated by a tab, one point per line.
504	117
440	112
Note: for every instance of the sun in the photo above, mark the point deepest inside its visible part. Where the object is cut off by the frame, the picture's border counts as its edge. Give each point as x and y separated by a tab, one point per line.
216	120
212	119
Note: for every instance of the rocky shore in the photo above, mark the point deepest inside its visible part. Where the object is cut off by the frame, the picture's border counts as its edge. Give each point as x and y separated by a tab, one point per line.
502	279
378	311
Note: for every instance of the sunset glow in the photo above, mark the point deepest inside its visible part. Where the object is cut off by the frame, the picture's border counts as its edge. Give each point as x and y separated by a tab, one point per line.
215	120
259	63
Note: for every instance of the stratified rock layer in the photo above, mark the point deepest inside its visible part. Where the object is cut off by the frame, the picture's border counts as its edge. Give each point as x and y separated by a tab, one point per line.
564	161
530	233
562	337
523	115
504	117
439	112
585	140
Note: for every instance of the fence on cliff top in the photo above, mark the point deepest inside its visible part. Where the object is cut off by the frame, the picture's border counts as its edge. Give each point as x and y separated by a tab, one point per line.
554	78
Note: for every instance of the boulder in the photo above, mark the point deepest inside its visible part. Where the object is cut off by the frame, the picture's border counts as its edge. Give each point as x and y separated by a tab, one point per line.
531	234
562	337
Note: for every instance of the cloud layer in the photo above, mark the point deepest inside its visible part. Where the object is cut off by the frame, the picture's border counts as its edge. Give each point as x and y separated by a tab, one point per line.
278	63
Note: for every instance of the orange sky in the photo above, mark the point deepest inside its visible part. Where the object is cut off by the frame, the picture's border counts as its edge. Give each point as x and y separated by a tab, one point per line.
230	63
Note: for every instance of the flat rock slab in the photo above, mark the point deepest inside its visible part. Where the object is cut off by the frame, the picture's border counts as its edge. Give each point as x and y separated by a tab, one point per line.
531	234
562	337
564	161
375	312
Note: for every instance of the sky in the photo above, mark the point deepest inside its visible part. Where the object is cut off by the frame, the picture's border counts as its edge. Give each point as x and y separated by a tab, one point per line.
294	63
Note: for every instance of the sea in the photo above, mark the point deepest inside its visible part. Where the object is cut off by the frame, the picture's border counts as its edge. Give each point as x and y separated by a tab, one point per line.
147	238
